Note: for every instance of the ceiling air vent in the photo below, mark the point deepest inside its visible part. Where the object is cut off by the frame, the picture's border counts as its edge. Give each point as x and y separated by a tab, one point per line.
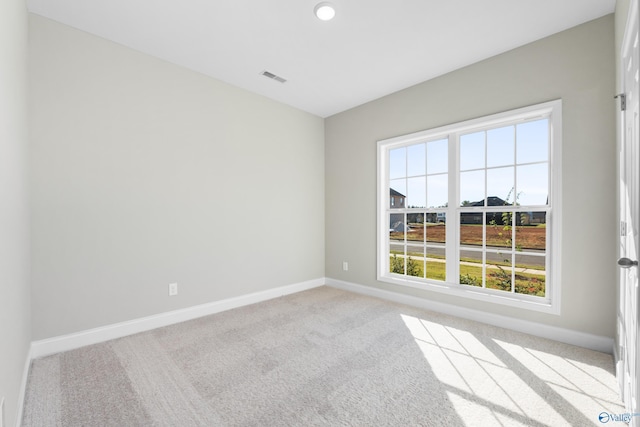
273	76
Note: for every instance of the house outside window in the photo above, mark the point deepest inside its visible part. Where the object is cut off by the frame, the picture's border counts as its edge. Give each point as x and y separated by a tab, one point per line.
397	199
473	209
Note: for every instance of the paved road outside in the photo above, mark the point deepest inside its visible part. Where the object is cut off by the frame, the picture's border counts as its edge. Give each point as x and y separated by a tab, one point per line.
531	260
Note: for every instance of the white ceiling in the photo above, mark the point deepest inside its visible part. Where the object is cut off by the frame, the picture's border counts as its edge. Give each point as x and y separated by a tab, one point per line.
372	48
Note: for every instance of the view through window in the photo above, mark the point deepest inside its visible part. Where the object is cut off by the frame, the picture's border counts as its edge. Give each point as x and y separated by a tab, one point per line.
469	205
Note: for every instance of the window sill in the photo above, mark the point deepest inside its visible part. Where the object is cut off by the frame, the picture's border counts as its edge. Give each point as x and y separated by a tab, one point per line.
542	305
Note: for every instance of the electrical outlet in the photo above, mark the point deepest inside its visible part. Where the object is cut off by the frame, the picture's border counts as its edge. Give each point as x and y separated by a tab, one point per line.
345	266
173	289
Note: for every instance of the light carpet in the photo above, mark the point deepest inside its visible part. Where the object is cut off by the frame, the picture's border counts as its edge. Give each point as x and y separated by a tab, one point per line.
323	357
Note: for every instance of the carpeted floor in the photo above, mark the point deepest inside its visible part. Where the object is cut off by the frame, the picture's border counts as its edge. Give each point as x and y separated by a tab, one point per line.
323	357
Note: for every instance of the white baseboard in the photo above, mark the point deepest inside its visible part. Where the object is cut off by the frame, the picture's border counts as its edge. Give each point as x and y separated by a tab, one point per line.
93	336
568	336
23	386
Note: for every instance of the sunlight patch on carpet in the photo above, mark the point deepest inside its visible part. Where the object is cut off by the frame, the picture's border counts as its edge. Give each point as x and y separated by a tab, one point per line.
503	382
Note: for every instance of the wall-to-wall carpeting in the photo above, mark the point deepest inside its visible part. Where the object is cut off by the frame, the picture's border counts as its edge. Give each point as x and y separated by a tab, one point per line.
323	357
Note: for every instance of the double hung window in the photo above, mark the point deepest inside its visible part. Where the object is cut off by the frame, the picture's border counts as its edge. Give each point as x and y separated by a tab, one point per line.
473	208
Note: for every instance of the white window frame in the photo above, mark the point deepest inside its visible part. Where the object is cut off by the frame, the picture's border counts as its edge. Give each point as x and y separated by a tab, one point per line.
548	304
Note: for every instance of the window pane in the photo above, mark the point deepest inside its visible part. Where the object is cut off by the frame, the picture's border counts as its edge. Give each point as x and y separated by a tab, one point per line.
415	251
436	232
531	234
471	229
416	192
471	269
397	229
416	219
415	227
397	193
499	271
397	163
416	160
531	238
437	191
396	247
437	156
501	146
533	141
533	184
396	243
499	230
472	151
530	275
415	261
530	263
472	188
499	258
396	263
500	186
436	264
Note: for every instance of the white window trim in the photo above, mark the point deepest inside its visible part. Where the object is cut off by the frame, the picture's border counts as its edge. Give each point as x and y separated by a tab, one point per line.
551	304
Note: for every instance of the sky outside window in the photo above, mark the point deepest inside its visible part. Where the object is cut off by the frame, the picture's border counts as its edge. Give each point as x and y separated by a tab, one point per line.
508	162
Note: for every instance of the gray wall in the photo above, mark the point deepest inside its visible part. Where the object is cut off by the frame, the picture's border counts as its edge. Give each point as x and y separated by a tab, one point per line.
576	65
15	313
145	173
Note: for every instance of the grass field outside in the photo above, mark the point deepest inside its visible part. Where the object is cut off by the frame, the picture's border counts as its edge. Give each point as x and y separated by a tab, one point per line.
497	276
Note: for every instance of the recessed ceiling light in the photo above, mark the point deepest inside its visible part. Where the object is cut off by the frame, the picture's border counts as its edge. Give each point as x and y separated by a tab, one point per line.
325	11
